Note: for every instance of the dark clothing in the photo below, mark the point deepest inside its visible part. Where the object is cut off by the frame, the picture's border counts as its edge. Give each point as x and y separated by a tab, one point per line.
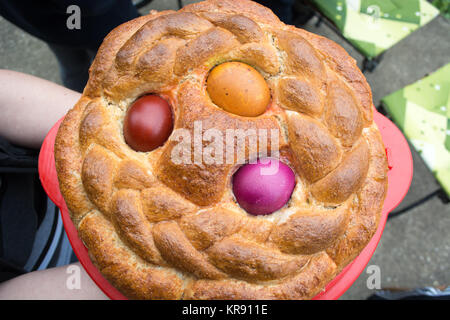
74	63
74	48
282	8
47	20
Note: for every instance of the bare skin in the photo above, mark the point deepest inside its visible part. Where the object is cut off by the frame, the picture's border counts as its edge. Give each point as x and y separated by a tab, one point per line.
69	282
29	107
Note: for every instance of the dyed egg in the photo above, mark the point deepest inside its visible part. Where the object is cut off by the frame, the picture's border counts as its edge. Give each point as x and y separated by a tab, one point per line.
238	88
263	188
148	123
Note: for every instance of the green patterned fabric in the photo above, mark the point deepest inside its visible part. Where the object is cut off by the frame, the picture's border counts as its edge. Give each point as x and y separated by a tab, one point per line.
422	111
374	26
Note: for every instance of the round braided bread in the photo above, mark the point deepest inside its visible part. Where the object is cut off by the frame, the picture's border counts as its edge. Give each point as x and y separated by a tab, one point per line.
157	229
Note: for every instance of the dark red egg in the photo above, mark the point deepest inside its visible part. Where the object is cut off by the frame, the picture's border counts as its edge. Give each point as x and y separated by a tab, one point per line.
148	123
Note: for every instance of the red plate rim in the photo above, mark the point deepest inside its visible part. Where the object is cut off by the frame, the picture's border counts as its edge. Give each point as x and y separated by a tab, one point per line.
399	177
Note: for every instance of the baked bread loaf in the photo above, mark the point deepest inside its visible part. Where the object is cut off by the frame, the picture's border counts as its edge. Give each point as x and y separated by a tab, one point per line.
162	229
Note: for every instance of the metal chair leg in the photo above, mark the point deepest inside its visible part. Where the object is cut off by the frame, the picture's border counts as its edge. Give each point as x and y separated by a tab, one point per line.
443	196
369	64
319	21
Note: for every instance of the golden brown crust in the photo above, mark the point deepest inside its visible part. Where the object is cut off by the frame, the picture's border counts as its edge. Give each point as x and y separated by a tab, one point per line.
159	229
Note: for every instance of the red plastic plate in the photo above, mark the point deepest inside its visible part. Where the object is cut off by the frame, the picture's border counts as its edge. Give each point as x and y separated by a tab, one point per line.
399	176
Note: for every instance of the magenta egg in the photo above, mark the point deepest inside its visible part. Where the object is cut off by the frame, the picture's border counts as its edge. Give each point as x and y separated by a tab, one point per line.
263	187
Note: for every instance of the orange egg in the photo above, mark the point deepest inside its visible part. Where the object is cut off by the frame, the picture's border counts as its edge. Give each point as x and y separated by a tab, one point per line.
238	88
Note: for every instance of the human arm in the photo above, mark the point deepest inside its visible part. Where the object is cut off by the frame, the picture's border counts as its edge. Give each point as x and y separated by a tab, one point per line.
30	106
